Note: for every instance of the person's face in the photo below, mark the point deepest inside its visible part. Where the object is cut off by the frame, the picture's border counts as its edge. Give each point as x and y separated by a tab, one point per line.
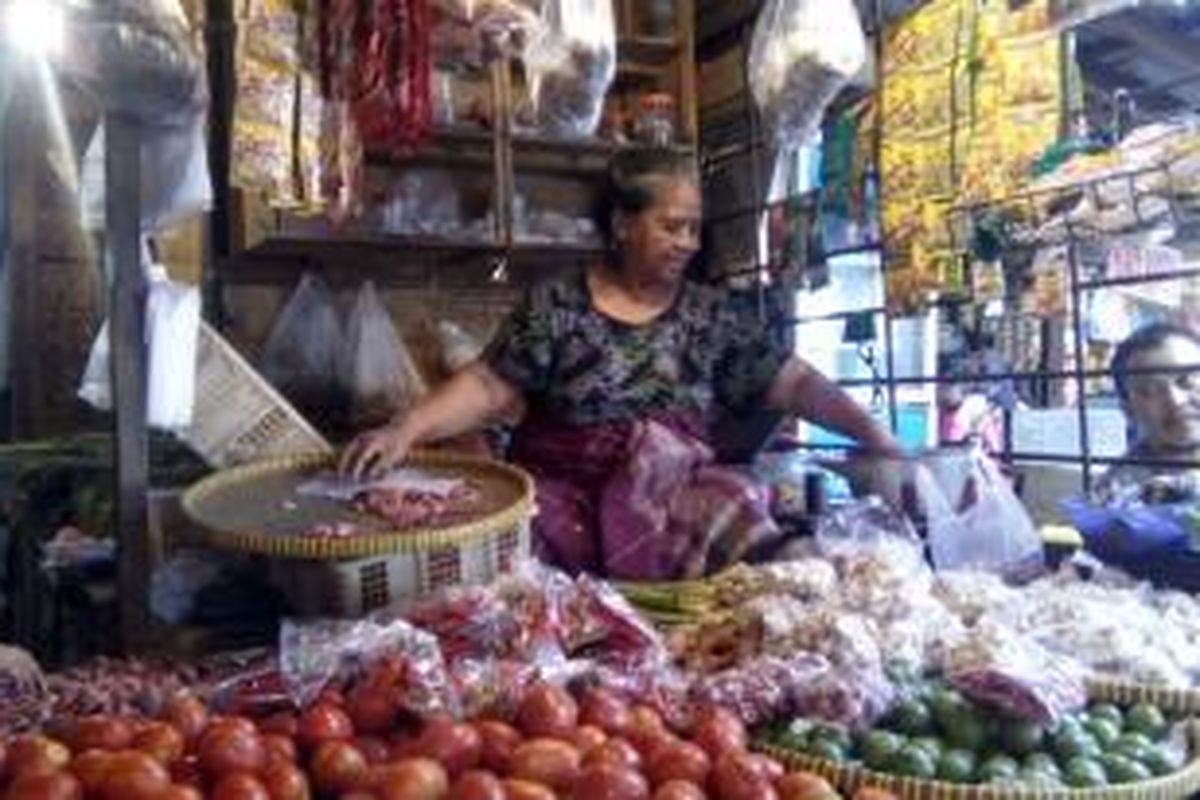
657	244
1166	408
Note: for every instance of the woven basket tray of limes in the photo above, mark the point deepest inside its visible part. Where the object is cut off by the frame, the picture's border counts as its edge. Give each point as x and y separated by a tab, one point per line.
934	743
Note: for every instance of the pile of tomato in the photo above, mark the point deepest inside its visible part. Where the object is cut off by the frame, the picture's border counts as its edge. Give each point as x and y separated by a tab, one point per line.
359	746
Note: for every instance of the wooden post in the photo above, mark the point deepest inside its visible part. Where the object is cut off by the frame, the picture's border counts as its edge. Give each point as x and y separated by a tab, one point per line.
127	345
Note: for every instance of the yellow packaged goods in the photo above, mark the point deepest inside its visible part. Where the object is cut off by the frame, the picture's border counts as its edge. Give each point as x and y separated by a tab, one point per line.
924	39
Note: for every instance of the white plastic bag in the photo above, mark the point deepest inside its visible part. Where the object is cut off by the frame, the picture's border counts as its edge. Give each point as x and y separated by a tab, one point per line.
172	336
458	347
803	53
992	532
301	355
377	370
570	61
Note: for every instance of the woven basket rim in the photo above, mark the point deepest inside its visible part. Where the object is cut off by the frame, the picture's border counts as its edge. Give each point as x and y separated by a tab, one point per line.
408	540
1182	783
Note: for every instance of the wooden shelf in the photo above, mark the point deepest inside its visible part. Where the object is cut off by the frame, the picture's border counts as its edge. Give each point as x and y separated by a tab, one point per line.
647	50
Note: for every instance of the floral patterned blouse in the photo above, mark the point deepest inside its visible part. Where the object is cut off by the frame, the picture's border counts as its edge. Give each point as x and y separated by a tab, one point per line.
708	354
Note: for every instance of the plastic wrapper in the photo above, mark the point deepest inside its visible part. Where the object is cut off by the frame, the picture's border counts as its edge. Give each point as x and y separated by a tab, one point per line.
138	57
303	349
856	698
806	579
313	654
1128	531
803	53
866	526
459	349
999	669
762	689
378	372
570	62
970	595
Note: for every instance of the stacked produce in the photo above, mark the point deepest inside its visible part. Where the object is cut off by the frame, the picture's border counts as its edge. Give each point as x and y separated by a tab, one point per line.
361	744
937	734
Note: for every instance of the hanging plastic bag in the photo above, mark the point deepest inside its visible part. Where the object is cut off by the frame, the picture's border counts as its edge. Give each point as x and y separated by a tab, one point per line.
570	62
993	532
803	53
377	370
301	355
172	339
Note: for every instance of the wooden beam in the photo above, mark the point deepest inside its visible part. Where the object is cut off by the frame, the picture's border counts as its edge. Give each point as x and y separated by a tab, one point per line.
127	345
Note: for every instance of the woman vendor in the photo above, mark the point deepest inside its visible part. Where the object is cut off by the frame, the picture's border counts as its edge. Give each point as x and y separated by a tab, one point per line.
617	374
1163	409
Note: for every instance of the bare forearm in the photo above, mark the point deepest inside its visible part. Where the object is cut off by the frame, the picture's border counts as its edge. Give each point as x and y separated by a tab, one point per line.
474	397
805	392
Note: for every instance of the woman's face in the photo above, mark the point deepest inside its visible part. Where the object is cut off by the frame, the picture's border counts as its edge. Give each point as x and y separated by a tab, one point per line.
658	243
1166	408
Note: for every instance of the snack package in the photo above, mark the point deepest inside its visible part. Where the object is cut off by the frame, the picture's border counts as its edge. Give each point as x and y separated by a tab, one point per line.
802	54
570	62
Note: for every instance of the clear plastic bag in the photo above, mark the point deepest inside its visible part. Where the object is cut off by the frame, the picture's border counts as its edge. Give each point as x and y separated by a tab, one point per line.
993	532
378	373
301	355
458	347
803	53
570	62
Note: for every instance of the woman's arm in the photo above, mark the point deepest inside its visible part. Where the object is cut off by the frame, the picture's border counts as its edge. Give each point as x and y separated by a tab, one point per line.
474	397
799	389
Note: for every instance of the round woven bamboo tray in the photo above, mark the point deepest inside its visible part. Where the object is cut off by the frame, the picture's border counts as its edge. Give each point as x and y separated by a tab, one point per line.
254	508
849	778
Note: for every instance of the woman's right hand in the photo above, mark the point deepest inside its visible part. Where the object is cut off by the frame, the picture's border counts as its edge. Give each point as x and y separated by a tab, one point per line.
375	452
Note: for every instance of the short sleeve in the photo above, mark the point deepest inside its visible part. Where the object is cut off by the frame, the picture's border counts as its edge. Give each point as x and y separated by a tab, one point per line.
522	351
754	348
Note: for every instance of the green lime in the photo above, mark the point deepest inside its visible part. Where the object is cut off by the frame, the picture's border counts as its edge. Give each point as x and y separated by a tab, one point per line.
1123	769
1041	762
1069	744
946	704
792	740
878	748
956	766
965	731
1109	712
931	745
998	769
1104	731
1039	779
1146	719
836	734
915	761
1160	761
1134	745
911	717
826	749
1021	738
1084	773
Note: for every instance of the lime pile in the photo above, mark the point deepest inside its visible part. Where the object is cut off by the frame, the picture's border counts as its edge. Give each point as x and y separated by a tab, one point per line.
937	734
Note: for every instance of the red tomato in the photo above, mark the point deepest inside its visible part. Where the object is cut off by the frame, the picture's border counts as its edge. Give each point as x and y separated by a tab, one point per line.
718	732
232	722
680	790
181	791
227	748
805	786
617	752
371	708
187	770
279	748
332	696
375	750
587	738
499	741
456	745
44	786
160	740
550	762
239	786
3	758
324	722
769	767
338	767
477	785
547	711
357	794
100	732
187	714
90	768
646	729
410	779
285	781
283	723
607	782
133	775
737	776
679	761
605	710
515	789
36	754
